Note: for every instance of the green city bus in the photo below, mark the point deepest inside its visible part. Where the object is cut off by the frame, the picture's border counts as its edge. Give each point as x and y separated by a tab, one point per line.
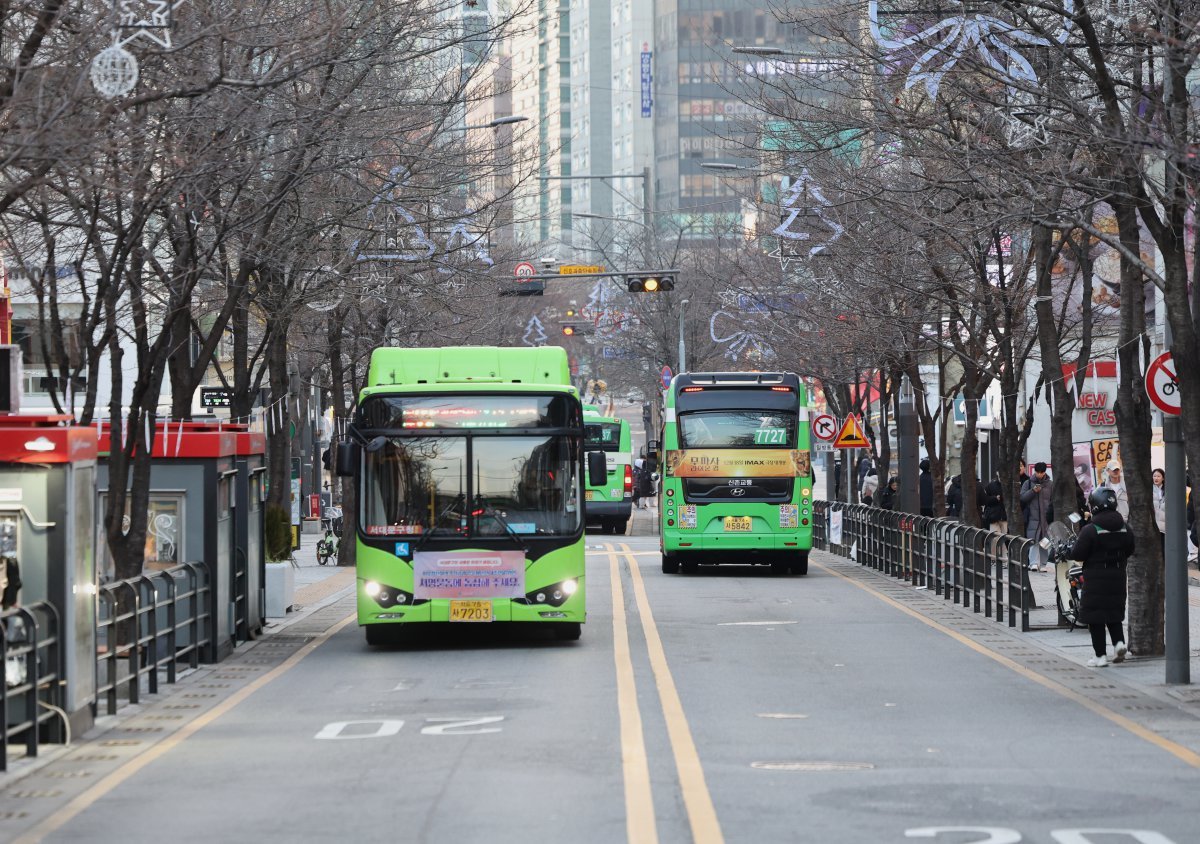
469	470
737	480
609	504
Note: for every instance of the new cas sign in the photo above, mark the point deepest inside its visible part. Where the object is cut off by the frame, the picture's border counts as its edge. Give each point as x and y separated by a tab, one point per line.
1096	409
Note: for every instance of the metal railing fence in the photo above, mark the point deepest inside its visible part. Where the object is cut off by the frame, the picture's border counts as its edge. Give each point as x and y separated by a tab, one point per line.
974	567
32	689
150	623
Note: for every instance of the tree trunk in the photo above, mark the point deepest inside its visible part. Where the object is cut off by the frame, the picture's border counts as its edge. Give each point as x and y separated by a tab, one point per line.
279	444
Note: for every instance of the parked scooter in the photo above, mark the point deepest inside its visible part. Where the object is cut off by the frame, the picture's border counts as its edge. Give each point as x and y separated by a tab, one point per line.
1068	573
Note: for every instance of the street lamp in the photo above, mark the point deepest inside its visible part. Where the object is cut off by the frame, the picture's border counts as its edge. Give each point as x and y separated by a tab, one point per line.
682	349
498	122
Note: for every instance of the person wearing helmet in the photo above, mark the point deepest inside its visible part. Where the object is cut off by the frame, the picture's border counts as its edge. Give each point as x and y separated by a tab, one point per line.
1104	546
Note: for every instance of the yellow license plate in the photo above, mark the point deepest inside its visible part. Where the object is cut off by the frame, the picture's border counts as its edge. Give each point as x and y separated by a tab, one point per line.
588	495
471	611
739	523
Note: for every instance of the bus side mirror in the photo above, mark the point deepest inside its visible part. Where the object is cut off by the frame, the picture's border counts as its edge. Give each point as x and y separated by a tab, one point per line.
347	459
597	468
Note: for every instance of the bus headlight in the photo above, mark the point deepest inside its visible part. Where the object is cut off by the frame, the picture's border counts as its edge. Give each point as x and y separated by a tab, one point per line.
554	594
372	588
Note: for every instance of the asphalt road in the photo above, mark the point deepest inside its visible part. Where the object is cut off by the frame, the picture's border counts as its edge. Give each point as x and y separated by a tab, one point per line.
726	706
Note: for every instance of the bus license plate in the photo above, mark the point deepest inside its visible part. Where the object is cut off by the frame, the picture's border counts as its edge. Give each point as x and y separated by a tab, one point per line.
737	523
471	611
588	495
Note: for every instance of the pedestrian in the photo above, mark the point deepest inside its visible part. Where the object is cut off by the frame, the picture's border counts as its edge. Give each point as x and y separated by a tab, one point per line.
10	582
1159	477
1116	483
889	498
864	466
1036	495
926	483
645	485
636	491
994	514
954	497
1103	546
870	486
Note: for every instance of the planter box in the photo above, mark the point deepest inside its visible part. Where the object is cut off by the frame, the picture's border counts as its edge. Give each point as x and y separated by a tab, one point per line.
281	589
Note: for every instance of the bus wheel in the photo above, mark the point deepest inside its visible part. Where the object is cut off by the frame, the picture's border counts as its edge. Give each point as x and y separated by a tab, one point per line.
800	565
381	634
779	568
567	631
670	564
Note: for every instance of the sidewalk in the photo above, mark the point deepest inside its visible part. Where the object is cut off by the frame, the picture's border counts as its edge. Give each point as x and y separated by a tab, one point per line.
316	585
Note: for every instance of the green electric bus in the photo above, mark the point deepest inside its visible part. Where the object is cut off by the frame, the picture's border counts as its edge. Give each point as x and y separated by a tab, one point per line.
609	504
737	480
470	471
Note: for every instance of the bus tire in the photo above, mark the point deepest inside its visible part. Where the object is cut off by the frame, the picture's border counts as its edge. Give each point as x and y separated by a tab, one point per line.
670	563
381	634
800	565
689	568
567	631
779	568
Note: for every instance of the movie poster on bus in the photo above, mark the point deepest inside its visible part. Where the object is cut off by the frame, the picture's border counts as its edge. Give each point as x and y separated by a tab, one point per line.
737	463
468	574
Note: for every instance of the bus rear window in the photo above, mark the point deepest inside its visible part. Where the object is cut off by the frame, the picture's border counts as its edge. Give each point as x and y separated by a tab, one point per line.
602	436
737	429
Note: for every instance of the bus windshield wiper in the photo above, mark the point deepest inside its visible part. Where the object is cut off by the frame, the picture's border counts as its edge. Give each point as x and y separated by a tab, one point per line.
489	510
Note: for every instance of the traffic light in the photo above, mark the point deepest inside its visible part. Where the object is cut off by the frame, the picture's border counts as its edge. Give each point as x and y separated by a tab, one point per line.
650	284
579	327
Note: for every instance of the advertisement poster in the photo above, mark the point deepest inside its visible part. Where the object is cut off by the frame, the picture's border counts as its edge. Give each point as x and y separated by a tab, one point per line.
737	463
1085	474
835	527
468	574
1104	451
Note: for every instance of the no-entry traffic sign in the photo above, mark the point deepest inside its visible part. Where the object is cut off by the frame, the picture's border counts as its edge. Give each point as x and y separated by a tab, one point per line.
824	427
1162	385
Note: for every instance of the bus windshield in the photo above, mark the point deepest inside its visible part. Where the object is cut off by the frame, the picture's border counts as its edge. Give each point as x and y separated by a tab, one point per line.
602	436
737	429
471	486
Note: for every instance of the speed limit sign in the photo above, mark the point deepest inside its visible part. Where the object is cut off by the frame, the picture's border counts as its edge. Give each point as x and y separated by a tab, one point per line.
1162	386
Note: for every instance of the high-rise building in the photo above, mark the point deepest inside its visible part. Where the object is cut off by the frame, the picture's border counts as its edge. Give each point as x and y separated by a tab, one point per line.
700	110
540	48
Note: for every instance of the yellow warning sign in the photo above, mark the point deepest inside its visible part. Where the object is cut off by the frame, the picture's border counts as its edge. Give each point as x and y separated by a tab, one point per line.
851	435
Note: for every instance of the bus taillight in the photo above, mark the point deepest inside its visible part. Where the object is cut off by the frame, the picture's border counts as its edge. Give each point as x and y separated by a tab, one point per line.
628	481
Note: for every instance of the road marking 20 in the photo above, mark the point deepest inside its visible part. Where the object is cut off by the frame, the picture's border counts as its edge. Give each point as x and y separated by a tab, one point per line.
1001	835
384	727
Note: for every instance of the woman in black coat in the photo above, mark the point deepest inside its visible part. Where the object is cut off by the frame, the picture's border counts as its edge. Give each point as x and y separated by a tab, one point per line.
1103	547
889	494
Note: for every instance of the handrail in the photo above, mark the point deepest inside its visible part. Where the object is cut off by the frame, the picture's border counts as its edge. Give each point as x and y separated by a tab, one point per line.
974	567
31	689
147	624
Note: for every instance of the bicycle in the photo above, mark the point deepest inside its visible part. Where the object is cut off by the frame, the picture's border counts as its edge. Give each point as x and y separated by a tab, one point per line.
327	547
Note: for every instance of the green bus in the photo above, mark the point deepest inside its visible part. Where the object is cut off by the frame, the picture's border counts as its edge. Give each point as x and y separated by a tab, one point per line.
609	504
469	473
736	475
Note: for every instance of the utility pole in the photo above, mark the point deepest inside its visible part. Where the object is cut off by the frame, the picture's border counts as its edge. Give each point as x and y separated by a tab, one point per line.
1175	578
682	348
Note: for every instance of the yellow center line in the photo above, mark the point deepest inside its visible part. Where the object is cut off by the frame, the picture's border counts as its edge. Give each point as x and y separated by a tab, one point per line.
1184	754
639	803
108	783
702	815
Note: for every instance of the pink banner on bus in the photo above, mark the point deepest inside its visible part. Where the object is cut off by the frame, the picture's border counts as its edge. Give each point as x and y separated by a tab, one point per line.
469	574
